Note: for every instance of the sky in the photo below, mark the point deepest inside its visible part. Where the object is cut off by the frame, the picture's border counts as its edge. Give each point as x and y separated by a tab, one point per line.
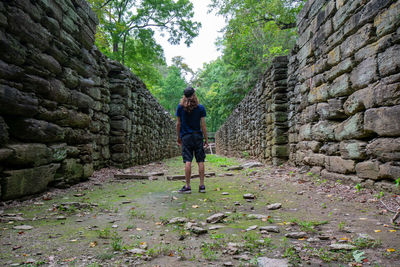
203	48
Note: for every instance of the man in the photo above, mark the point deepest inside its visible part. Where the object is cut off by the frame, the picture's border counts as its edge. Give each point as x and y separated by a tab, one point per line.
190	129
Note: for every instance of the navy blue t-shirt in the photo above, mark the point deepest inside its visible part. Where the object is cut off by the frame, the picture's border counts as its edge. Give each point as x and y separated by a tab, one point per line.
190	122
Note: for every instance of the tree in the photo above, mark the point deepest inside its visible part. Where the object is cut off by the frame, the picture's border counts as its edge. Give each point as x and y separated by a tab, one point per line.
124	19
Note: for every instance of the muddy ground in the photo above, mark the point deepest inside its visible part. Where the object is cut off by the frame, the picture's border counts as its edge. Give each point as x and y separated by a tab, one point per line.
117	222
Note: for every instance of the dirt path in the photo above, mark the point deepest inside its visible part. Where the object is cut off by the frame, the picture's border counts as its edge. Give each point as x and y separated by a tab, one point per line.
109	222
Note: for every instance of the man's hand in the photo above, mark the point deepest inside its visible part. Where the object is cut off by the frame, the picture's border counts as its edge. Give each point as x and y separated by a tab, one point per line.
205	143
179	141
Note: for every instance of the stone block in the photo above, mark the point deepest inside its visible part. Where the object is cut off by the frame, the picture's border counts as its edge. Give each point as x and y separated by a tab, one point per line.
344	66
353	149
71	170
309	114
341	86
305	132
355	102
59	152
368	169
364	74
352	128
29	155
15	102
280	151
314	146
340	177
314	159
36	130
337	164
334	56
385	149
318	94
386	187
389	61
5	153
387	21
3	132
383	121
389	171
323	131
18	183
330	149
356	41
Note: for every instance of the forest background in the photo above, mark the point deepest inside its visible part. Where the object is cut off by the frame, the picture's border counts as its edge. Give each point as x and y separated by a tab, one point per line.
255	32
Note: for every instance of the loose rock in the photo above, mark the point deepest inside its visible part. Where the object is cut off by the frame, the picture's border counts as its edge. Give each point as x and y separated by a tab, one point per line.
23	227
269	262
296	235
274	206
249	196
178	220
216	218
272	229
337	246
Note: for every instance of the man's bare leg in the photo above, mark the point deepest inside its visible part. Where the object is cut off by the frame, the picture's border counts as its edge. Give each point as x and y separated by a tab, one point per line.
188	172
201	173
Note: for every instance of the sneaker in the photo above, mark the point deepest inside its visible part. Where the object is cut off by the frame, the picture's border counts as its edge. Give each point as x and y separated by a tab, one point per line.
185	190
202	188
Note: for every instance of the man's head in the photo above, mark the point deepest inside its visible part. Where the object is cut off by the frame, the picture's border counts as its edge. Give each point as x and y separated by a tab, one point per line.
189	91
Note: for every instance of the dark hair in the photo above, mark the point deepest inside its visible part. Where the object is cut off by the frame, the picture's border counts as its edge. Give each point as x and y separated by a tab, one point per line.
189	103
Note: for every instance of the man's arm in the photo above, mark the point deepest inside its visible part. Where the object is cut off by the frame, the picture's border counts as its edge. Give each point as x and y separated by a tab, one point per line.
178	130
204	130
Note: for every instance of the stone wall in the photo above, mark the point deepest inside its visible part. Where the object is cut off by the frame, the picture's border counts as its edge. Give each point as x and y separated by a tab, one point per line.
344	91
65	109
258	125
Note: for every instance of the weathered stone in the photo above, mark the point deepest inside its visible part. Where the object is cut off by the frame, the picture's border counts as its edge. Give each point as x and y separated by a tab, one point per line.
272	229
256	216
353	149
337	164
36	130
71	170
323	131
23	227
29	154
385	149
274	206
383	121
340	177
388	171
318	94
386	21
364	73
340	86
178	220
14	102
215	218
5	153
352	128
341	246
18	183
269	262
388	61
296	235
3	132
368	169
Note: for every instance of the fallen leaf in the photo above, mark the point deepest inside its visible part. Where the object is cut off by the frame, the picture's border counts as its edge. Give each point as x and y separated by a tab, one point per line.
363	219
392	231
73	240
195	206
390	250
174	198
344	238
217	189
139	229
158	223
377	231
69	260
171	254
93	244
385	225
301	238
16	247
329	195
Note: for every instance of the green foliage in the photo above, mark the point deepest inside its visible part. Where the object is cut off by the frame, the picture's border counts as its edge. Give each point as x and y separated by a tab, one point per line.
358	255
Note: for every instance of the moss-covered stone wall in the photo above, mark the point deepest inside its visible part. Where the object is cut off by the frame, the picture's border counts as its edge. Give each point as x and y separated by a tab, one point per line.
65	109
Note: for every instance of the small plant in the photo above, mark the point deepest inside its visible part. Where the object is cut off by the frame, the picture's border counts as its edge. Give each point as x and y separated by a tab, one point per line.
105	233
341	226
358	187
361	243
208	251
292	255
245	154
136	214
116	242
105	256
380	195
397	181
358	256
323	205
338	181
